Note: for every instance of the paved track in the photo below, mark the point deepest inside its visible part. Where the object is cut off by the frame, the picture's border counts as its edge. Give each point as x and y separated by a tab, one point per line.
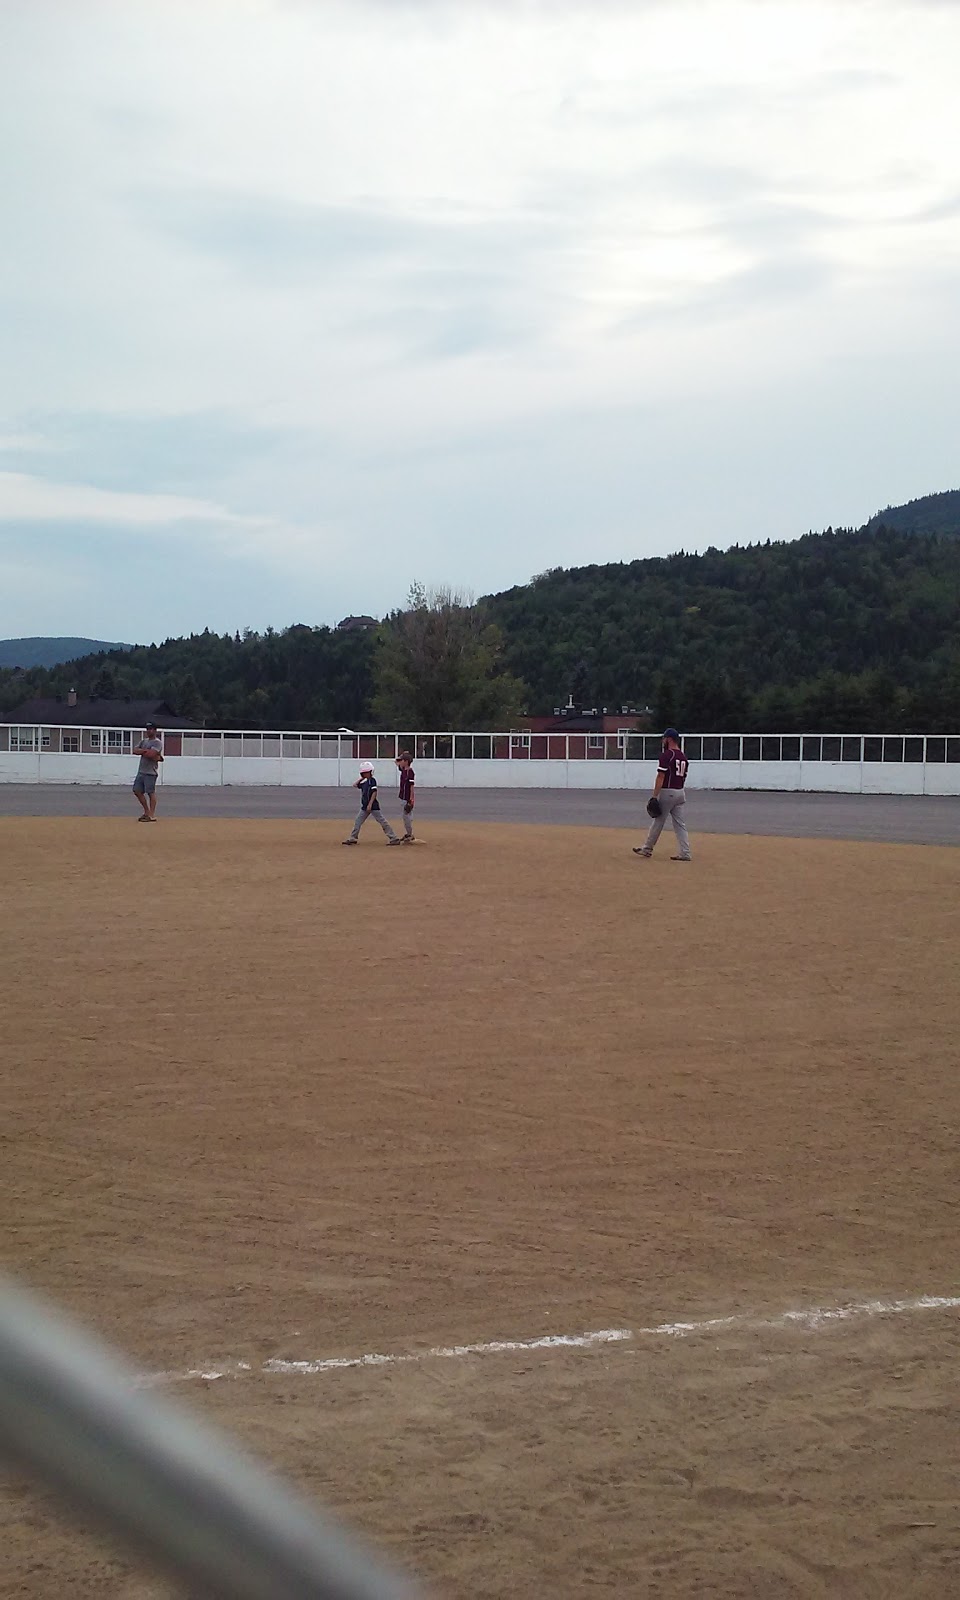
902	819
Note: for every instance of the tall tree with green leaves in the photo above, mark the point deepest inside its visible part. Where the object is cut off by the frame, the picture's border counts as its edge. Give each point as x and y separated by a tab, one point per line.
440	666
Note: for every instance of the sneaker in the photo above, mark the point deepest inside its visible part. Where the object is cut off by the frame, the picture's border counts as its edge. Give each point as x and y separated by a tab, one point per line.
407	839
348	841
681	858
638	851
394	841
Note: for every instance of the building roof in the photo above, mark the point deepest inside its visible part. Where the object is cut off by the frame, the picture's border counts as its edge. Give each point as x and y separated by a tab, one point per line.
585	721
97	714
350	623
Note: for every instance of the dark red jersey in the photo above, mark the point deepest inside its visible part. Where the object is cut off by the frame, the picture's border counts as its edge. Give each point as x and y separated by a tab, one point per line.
407	780
674	764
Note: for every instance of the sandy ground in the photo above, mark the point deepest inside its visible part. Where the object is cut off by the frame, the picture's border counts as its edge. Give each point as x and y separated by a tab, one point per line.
543	1088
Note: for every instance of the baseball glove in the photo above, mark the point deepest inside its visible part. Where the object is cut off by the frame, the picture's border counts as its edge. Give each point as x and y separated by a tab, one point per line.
653	807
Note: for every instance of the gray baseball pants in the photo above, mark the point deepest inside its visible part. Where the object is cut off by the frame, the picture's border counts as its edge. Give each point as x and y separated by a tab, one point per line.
378	816
671	805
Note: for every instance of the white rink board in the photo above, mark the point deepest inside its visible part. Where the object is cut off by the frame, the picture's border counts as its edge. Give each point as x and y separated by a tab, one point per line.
937	780
193	772
205	771
909	777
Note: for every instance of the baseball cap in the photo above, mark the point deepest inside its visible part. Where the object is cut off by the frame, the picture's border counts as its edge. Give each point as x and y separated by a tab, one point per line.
150	727
671	733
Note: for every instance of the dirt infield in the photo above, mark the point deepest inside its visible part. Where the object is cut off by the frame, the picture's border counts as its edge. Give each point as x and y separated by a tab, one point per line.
270	1098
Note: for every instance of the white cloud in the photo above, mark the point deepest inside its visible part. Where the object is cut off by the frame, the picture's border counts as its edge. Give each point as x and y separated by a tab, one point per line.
393	233
24	498
15	444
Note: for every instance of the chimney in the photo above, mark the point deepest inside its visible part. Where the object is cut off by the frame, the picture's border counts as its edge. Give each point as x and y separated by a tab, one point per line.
72	698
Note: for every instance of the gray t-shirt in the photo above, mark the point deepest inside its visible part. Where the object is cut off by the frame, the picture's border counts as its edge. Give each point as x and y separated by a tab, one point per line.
146	765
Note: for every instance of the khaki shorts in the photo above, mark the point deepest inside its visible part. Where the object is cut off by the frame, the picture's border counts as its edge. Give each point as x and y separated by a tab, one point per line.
145	783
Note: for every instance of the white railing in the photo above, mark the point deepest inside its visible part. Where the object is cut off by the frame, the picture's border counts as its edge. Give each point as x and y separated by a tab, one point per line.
73	1411
852	763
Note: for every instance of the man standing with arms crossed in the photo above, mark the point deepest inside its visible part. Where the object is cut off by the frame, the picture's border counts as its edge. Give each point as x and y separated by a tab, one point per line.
150	751
668	799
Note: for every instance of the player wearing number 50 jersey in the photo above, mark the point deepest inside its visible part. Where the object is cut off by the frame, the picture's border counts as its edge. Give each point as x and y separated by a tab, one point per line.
670	791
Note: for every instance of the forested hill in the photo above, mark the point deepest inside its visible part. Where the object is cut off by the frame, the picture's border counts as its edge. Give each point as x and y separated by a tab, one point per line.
842	629
50	652
301	677
935	513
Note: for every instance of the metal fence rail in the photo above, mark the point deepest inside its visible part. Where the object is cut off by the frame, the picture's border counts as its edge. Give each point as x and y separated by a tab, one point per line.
864	763
509	745
175	1487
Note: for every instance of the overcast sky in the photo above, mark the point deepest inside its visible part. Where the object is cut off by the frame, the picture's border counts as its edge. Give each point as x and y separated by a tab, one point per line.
301	300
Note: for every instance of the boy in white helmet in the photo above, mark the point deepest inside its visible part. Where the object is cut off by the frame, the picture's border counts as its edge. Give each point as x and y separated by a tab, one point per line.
369	806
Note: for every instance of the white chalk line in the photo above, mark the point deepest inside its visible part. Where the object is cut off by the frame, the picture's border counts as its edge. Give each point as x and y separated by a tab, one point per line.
810	1319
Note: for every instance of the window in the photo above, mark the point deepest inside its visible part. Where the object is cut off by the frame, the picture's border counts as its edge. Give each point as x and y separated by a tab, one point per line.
70	743
24	738
595	741
520	741
111	742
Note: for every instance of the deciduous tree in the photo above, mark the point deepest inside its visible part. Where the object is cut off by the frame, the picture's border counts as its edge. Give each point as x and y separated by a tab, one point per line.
440	666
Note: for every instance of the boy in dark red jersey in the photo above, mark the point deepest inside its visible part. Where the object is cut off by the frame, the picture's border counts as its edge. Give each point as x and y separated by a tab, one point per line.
407	788
671	793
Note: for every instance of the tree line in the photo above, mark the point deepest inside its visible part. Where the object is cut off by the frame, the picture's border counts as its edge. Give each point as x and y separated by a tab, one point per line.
842	631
